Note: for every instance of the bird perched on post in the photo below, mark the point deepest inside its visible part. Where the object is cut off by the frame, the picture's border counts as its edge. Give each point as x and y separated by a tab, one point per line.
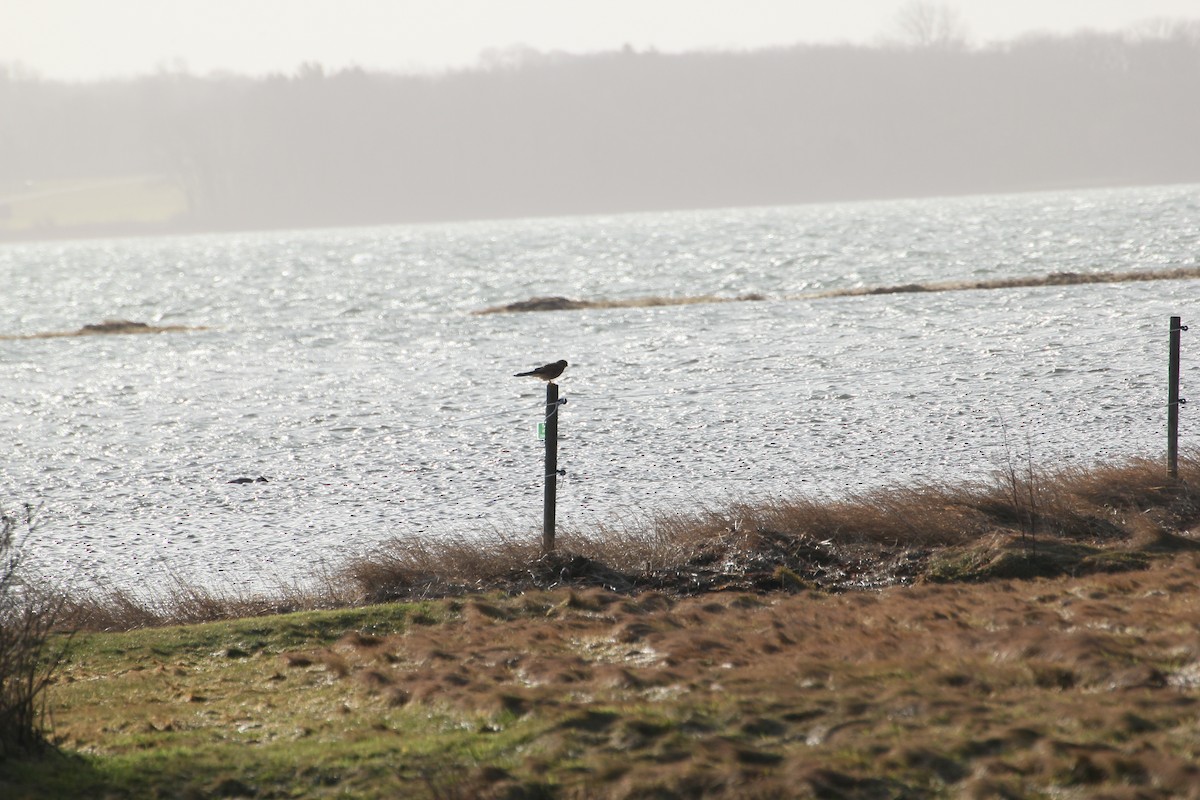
547	372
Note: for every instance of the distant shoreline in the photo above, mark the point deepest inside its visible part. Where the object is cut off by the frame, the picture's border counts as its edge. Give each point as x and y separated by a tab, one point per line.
189	226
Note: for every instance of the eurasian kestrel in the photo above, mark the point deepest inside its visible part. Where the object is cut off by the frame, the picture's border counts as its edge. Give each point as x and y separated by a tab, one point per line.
547	373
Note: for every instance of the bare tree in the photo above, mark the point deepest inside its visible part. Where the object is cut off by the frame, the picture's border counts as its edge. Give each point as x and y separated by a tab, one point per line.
1166	29
924	24
28	658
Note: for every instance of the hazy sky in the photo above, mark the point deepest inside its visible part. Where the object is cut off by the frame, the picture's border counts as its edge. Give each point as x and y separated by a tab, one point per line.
82	39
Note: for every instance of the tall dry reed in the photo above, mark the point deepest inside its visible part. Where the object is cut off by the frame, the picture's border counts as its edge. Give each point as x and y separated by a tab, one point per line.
870	539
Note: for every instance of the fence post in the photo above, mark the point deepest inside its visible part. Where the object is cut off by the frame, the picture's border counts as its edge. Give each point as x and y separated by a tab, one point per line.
550	495
1173	399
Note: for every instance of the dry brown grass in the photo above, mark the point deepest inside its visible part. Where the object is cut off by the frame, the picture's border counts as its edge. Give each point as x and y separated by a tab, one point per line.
180	602
1073	521
1037	523
1001	689
1083	686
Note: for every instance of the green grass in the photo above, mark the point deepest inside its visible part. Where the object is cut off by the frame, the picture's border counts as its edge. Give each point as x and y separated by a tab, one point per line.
253	635
210	705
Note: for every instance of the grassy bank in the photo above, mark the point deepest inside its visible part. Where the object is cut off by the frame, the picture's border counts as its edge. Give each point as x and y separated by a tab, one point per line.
1036	636
1000	689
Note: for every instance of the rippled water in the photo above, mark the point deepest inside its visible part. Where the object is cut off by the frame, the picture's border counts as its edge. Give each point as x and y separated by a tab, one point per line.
346	366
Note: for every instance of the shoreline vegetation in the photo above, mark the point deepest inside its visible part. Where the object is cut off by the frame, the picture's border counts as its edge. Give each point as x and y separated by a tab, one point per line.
1024	522
1026	636
556	303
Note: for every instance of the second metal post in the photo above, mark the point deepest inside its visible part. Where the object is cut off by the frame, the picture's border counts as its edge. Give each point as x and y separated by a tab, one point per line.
549	501
1173	401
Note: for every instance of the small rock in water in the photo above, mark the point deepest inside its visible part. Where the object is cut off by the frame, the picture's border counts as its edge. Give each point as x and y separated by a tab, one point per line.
543	304
114	326
550	303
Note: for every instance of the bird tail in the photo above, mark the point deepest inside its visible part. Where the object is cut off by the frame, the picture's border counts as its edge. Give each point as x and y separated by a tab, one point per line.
523	374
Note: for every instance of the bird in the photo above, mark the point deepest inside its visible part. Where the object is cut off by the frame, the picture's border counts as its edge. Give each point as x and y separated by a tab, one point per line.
547	372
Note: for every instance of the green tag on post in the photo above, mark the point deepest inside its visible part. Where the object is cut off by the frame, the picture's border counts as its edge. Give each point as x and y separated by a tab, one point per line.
541	431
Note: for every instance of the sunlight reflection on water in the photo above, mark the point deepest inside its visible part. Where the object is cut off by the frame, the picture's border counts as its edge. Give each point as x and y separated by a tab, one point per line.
345	366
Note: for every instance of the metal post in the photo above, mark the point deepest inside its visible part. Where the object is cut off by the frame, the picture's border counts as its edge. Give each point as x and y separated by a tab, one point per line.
548	505
1173	400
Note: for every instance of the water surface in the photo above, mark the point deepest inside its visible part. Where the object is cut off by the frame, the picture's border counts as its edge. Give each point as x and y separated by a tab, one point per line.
347	368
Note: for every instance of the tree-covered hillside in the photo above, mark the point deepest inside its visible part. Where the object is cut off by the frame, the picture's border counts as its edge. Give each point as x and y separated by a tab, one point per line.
622	131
